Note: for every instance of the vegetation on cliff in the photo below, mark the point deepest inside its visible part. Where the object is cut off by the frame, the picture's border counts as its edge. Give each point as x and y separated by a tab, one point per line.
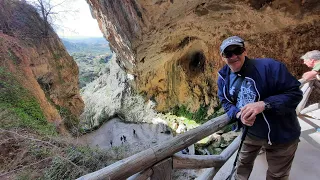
24	154
31	147
91	56
19	108
38	80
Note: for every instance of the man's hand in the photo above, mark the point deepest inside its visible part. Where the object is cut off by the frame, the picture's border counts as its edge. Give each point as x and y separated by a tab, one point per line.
309	75
249	112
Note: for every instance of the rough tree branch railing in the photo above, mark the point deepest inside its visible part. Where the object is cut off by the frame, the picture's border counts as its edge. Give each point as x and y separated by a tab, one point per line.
307	87
157	162
147	158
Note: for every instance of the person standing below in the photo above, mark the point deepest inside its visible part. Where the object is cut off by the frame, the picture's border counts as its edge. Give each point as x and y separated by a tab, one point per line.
312	60
263	95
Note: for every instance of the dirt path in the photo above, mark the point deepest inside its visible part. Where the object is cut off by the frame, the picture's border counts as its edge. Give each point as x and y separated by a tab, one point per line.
145	135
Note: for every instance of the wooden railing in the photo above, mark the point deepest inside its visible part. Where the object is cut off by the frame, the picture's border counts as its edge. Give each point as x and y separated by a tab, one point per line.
307	88
157	162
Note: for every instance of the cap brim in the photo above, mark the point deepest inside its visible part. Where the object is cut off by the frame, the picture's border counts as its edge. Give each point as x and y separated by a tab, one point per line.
303	57
239	44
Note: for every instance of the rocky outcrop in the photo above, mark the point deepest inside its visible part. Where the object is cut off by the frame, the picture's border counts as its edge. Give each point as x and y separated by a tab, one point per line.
171	47
40	63
110	96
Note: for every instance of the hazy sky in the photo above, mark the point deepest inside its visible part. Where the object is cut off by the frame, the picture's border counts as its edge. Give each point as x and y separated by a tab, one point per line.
80	24
73	18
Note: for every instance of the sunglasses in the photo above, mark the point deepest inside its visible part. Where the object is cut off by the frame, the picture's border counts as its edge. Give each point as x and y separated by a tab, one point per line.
237	51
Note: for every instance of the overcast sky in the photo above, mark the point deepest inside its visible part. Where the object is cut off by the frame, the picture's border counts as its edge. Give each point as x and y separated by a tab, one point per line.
82	24
79	23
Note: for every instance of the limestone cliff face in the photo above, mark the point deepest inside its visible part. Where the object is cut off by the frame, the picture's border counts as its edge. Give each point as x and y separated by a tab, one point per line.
40	63
171	47
111	96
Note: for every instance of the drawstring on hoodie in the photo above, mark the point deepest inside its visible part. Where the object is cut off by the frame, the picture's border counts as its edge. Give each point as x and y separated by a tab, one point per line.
264	117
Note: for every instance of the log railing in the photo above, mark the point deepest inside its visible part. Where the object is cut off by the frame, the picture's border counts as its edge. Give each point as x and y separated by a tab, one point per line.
144	162
307	88
157	162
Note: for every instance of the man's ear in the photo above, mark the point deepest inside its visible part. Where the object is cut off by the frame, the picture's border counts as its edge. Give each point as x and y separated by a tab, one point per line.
245	51
222	58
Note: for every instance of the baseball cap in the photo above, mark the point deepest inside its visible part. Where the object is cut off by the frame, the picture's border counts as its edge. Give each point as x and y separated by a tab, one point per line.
315	54
234	40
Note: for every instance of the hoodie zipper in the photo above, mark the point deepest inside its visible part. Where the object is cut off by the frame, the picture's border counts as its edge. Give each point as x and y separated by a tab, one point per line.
264	117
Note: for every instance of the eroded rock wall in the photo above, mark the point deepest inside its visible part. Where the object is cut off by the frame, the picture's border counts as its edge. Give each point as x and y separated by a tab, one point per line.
171	46
111	96
39	62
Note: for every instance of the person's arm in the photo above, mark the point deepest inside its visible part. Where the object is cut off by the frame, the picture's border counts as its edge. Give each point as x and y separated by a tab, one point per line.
309	75
287	93
228	107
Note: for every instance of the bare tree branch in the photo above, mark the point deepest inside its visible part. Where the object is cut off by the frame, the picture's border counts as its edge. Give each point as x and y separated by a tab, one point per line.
50	12
33	139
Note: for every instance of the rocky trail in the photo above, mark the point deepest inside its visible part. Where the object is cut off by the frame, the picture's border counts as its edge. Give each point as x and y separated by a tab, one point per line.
138	136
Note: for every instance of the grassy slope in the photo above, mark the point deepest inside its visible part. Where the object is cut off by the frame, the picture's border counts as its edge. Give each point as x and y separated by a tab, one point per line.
31	147
19	108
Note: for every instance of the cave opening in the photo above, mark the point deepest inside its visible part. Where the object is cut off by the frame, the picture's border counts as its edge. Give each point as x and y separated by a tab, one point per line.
196	62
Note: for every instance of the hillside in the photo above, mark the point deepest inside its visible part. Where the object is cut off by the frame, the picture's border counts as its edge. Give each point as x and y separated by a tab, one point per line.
40	102
92	45
91	56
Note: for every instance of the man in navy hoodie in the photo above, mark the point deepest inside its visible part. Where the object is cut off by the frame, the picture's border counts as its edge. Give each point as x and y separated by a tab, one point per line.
263	95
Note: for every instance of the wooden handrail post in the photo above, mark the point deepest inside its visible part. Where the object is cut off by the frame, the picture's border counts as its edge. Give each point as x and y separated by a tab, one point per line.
182	161
306	89
188	138
208	174
162	170
144	175
124	168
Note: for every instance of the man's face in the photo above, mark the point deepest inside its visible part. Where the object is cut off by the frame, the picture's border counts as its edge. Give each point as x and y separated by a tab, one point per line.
234	56
309	62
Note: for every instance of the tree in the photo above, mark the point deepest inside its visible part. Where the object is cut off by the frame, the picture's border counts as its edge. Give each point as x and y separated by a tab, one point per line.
52	12
18	19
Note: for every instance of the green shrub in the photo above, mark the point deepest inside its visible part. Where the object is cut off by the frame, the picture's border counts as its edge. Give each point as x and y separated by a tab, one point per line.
199	116
77	162
218	111
182	111
18	102
13	56
70	121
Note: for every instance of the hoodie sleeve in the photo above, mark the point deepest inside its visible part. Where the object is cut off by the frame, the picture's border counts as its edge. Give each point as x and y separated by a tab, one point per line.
228	107
287	94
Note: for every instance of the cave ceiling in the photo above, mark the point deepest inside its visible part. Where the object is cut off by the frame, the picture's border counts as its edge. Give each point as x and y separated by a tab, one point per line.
172	47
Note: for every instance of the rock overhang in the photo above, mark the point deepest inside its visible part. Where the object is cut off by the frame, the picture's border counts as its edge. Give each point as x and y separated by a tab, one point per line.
172	47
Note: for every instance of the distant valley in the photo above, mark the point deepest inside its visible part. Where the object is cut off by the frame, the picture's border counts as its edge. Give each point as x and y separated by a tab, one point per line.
90	54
